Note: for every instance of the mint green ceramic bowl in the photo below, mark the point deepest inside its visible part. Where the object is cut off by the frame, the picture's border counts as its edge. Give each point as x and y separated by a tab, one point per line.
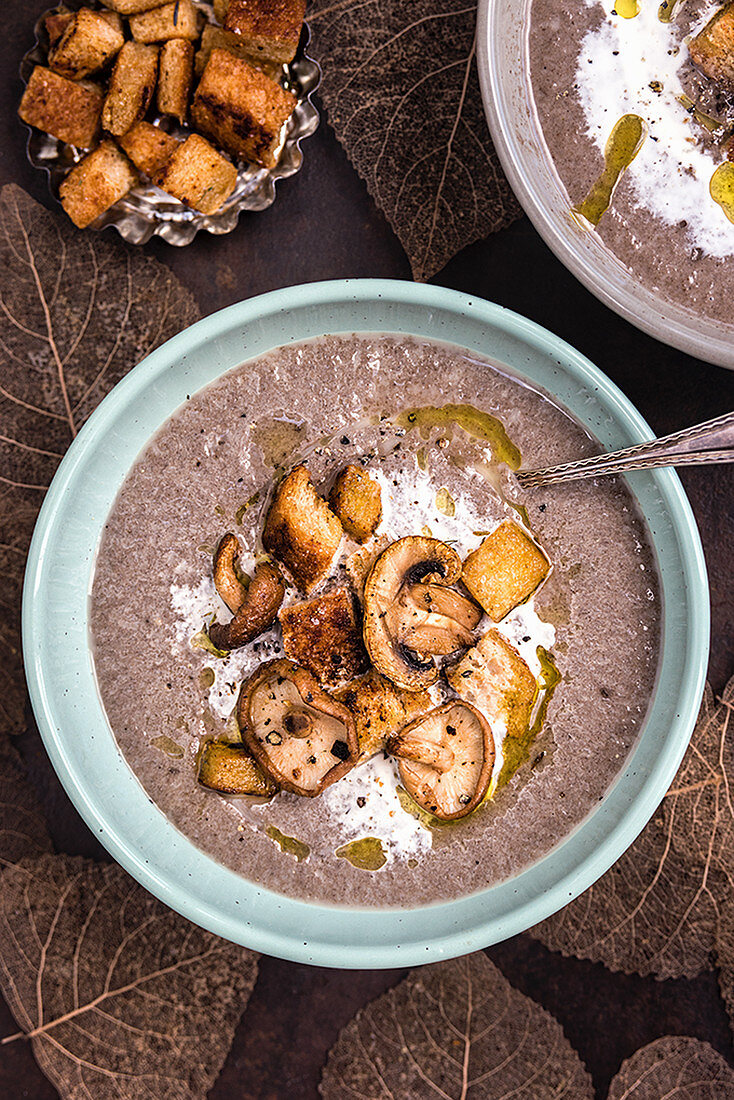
73	723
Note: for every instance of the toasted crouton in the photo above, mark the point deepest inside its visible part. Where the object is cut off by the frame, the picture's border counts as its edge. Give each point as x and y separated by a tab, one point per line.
360	562
271	28
357	500
215	38
177	20
220	10
56	23
148	147
713	48
380	709
96	183
494	678
131	87
174	77
231	769
85	47
242	109
113	20
65	109
323	635
505	570
301	530
198	175
131	7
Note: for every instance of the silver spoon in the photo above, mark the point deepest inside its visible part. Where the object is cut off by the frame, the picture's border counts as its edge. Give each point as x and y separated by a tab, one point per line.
704	444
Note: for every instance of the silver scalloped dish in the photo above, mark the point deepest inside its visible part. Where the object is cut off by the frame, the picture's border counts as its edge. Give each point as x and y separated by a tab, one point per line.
147	211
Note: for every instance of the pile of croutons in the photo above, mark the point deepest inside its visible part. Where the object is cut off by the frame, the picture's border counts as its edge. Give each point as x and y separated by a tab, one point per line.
146	55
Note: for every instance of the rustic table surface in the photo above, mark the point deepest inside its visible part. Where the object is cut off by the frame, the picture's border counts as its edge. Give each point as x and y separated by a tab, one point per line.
322	226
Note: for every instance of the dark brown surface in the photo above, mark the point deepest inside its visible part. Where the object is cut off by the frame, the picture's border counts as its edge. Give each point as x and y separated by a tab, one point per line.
324	225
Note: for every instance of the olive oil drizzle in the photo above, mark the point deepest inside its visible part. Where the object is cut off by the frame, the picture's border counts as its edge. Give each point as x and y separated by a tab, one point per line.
709	122
207	676
516	748
445	503
168	746
289	844
522	513
426	819
623	145
277	437
474	422
366	854
243	508
628	9
668	10
721	188
201	640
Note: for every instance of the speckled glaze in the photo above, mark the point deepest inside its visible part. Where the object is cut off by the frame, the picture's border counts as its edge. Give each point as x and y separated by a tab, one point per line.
184	493
65	695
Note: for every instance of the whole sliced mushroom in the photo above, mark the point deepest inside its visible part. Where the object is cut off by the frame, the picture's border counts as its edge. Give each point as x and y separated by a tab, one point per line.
301	737
430	618
255	607
446	759
227	583
411	613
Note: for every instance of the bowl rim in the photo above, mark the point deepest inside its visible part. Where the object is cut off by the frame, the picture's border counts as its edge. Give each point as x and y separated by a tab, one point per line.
311	932
653	314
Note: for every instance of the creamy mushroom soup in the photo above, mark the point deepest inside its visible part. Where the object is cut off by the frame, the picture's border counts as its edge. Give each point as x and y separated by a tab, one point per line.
438	429
641	137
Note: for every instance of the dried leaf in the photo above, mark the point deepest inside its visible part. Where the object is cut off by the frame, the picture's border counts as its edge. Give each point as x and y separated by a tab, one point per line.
18	511
451	1030
676	1066
401	90
657	910
725	956
706	820
121	997
76	313
23	830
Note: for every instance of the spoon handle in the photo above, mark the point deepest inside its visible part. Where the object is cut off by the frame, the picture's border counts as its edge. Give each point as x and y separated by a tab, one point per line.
701	445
